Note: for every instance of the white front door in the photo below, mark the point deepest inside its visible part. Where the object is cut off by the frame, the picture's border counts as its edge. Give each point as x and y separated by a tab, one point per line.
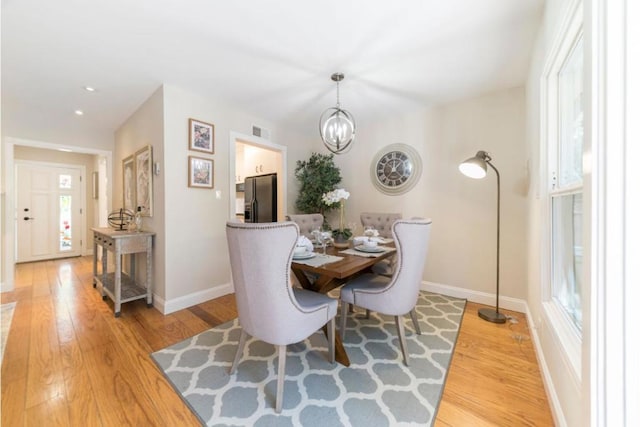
49	211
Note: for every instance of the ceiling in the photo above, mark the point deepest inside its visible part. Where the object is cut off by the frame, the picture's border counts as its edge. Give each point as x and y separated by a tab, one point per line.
271	59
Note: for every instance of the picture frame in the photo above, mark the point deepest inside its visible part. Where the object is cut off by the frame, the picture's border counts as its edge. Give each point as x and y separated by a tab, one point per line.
200	172
144	180
129	183
201	136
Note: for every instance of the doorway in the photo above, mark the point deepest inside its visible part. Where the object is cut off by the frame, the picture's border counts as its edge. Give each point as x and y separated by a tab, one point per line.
50	207
250	156
10	145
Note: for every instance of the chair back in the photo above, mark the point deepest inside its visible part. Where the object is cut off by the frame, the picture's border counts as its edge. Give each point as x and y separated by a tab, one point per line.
400	295
380	221
307	222
260	255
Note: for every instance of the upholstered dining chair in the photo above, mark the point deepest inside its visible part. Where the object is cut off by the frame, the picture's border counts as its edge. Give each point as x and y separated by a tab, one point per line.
307	222
269	308
382	222
397	295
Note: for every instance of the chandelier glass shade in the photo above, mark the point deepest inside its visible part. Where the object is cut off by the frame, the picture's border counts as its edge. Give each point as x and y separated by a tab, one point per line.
337	126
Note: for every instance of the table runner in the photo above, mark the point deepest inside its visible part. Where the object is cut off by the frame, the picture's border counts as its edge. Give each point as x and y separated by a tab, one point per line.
366	254
318	260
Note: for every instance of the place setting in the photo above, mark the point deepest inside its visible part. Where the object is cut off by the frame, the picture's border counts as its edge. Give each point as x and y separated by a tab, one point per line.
369	245
303	252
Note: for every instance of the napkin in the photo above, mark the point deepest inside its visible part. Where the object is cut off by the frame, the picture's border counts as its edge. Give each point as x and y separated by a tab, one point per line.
304	241
359	240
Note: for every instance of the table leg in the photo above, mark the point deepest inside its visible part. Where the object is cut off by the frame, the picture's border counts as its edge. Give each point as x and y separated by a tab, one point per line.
149	276
95	262
341	354
105	256
117	285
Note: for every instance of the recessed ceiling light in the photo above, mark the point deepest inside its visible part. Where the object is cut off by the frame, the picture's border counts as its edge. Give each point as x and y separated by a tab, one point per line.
79	112
90	89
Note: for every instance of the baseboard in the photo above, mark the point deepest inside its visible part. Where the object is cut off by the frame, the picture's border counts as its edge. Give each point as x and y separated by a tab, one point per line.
520	306
168	307
507	303
5	287
552	396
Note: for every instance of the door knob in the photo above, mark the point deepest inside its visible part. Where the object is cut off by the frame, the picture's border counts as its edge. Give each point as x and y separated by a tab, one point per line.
26	218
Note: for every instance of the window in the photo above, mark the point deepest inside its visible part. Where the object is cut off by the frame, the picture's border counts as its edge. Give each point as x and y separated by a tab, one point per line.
566	187
562	126
65	223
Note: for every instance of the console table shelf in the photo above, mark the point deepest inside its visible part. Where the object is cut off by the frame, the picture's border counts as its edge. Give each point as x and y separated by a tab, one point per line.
129	289
118	286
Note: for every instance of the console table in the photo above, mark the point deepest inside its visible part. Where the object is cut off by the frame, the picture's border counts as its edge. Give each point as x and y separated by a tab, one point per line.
121	287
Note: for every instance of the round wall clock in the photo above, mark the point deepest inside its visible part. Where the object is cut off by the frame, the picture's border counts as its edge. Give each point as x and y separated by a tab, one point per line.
396	168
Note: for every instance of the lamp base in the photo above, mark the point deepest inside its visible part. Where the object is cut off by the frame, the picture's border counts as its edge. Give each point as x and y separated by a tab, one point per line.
491	315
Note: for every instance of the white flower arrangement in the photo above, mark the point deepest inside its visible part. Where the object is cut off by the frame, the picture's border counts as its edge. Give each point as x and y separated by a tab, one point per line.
332	197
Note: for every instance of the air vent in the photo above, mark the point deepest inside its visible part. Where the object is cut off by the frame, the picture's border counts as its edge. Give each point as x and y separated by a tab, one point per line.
261	132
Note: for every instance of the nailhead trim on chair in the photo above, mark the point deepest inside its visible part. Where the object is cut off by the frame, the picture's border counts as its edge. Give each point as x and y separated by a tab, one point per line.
268	226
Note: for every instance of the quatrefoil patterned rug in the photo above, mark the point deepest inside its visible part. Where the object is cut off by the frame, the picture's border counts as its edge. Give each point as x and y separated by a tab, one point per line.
376	390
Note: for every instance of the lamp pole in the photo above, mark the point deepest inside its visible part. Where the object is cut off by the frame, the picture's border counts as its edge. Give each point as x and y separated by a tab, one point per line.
487	313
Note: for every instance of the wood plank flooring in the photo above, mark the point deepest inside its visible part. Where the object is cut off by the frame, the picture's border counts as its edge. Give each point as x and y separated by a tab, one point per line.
70	362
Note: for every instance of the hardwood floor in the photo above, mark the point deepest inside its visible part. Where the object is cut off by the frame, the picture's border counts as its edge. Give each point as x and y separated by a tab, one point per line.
69	362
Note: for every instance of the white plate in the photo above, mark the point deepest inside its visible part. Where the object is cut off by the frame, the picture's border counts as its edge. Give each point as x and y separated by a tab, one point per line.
375	249
305	255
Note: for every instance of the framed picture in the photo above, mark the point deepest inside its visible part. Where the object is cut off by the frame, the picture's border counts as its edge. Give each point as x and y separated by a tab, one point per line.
200	172
129	183
201	136
144	180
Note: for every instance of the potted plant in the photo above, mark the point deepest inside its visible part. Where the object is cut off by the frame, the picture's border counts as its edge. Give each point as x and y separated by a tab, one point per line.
333	199
317	176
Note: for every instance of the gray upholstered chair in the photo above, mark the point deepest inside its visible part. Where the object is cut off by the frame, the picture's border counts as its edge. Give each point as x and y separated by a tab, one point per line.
383	223
269	309
380	221
395	296
307	222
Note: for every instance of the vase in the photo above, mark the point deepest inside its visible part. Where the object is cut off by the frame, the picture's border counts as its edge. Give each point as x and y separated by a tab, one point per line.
339	241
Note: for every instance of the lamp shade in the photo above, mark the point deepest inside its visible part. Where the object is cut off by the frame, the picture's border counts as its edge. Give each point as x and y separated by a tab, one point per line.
476	166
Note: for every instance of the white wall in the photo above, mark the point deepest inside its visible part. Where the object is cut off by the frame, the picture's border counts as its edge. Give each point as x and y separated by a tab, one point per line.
145	127
196	256
463	239
190	249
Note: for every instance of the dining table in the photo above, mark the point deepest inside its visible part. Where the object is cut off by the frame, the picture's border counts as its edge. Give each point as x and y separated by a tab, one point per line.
343	264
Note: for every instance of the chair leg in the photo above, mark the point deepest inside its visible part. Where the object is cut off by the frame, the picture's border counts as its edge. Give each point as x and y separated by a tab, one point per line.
239	350
402	339
282	358
343	319
367	314
331	337
414	319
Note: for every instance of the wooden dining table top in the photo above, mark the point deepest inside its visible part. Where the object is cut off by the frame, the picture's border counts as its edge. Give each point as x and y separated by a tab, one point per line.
336	273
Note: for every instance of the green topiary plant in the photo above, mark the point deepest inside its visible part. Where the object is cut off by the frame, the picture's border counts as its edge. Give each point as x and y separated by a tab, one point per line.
317	176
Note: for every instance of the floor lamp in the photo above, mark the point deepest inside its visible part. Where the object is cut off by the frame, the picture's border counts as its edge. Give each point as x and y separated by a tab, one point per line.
476	167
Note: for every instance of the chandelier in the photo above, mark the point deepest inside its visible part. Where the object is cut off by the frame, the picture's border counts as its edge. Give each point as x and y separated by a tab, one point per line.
337	127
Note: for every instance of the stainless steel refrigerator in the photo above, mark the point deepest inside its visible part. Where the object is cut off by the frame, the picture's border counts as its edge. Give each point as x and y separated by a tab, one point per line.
261	198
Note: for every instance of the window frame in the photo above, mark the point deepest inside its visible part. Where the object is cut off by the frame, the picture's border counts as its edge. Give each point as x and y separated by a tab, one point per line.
566	335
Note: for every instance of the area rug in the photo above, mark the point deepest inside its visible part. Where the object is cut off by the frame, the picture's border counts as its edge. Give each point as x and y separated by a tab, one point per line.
376	390
5	322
